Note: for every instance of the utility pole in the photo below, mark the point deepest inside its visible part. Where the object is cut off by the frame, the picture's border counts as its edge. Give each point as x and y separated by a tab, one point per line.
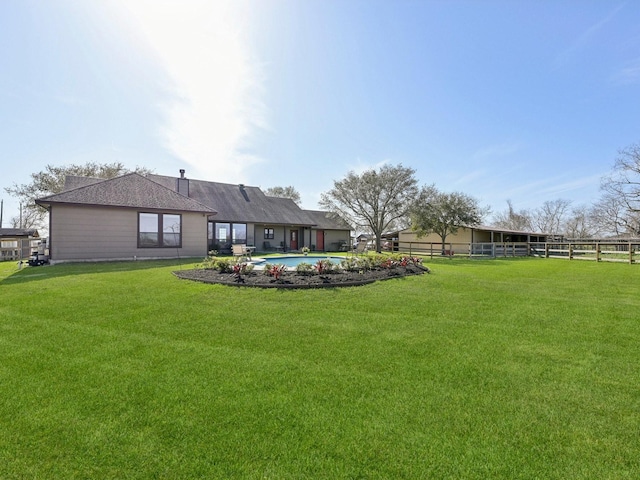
1	211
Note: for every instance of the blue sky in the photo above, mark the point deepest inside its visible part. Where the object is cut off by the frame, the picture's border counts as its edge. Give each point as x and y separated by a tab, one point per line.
503	100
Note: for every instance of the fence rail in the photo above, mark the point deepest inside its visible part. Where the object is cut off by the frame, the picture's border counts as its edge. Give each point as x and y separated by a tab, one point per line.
16	249
627	252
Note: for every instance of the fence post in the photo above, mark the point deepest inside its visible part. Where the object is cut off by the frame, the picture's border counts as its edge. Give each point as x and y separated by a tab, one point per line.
570	251
630	254
546	250
597	252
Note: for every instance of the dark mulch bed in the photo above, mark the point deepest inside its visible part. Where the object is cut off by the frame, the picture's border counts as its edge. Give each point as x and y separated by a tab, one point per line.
295	280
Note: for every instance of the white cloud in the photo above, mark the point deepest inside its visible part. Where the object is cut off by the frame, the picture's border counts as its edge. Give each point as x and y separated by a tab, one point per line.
215	102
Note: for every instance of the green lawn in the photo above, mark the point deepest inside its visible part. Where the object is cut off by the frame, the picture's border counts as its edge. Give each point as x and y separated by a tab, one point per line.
517	368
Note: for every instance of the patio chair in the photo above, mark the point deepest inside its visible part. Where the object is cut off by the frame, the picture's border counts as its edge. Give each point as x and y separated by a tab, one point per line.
360	247
240	251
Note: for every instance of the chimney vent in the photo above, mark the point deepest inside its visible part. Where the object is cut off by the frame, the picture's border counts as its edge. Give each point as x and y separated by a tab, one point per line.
182	184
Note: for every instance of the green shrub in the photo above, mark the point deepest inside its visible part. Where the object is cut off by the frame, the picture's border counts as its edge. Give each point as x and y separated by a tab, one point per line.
304	268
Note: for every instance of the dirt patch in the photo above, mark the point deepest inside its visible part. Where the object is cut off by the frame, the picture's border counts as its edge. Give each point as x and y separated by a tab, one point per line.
295	280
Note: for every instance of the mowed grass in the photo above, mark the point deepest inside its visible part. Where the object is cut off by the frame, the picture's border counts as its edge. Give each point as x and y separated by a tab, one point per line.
517	368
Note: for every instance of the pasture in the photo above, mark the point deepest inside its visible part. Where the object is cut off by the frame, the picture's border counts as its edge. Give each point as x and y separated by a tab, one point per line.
508	368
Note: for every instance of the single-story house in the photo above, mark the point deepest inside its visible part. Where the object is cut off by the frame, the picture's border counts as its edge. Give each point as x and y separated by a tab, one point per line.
155	216
18	243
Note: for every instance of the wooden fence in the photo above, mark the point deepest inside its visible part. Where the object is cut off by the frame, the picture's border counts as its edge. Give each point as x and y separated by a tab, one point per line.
451	249
16	249
627	252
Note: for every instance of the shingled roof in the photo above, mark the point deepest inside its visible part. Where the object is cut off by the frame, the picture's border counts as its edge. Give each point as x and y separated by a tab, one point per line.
130	191
19	232
327	220
240	203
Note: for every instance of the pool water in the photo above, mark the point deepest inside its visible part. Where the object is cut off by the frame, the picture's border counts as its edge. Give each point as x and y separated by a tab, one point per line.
294	261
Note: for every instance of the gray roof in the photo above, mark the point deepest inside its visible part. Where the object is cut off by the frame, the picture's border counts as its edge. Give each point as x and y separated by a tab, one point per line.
233	203
327	220
240	203
19	232
132	191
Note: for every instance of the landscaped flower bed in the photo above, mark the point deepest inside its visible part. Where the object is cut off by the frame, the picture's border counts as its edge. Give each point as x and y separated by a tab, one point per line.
350	272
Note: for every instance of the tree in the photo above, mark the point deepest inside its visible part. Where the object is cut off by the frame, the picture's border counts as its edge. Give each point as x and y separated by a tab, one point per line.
51	181
444	213
581	223
284	192
512	220
612	216
376	201
624	182
551	216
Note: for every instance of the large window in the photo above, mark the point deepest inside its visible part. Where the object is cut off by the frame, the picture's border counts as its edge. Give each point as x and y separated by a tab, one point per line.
159	230
223	234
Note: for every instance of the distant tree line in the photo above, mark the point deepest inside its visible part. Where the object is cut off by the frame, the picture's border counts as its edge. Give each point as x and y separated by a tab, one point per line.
389	198
616	213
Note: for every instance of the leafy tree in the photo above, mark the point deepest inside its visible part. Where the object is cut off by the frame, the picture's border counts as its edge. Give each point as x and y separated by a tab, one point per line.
375	200
512	220
444	213
284	192
51	181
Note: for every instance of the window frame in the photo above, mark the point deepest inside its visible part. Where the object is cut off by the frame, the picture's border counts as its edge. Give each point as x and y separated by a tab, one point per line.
269	233
160	242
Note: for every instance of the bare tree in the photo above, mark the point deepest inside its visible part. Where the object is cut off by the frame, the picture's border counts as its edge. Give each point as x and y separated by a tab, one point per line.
550	217
444	213
512	220
624	182
373	200
284	192
51	180
581	223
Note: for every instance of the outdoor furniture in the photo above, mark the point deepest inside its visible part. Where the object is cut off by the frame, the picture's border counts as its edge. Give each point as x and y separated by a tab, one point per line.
360	247
241	251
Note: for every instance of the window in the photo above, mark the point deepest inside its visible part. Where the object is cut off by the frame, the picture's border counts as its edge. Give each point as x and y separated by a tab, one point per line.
222	235
239	233
162	230
9	244
268	234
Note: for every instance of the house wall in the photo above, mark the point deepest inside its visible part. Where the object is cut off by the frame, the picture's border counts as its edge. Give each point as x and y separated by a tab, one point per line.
79	233
463	236
278	235
334	239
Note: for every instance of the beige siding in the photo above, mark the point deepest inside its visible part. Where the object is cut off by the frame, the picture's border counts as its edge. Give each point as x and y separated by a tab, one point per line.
462	236
99	233
334	239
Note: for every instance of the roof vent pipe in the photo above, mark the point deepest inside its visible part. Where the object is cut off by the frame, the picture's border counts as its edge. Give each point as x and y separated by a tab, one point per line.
182	173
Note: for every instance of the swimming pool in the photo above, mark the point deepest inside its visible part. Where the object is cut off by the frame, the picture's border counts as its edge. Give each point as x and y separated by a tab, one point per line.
293	261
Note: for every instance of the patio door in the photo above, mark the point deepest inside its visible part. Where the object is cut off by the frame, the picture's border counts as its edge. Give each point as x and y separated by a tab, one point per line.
293	239
320	240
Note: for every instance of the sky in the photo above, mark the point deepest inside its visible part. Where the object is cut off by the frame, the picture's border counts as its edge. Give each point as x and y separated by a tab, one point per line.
514	100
